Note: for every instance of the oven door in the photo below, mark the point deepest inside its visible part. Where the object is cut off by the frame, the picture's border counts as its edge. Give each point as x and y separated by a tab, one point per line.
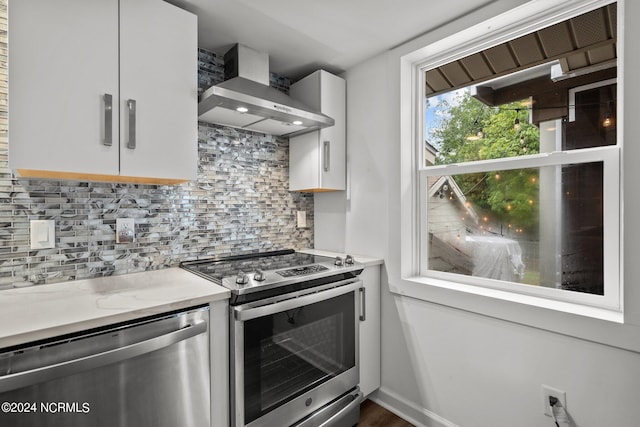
294	354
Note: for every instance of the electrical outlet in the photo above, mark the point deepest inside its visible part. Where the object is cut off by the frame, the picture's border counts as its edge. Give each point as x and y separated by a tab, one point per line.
548	391
125	230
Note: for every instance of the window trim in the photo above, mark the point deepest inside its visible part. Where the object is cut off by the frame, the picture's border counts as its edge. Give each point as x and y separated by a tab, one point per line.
507	26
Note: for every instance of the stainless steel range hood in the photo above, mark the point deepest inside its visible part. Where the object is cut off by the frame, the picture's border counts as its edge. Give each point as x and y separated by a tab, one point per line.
245	99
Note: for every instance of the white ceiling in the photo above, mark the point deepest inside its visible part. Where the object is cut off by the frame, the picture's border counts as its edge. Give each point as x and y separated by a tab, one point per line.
301	36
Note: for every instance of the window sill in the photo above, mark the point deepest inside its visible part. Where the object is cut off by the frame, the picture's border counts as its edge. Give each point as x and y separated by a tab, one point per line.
588	323
529	300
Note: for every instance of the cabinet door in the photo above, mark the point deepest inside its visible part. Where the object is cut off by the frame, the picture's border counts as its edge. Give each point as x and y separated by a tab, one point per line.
304	161
318	159
332	140
370	332
158	57
219	353
63	59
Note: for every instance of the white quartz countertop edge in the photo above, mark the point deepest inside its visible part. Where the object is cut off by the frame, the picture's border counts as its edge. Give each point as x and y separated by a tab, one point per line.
366	260
44	311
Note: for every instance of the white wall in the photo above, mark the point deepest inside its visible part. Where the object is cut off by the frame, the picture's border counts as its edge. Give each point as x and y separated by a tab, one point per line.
444	366
356	220
474	370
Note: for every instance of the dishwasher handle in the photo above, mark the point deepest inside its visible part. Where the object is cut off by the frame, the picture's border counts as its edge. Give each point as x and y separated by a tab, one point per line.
70	367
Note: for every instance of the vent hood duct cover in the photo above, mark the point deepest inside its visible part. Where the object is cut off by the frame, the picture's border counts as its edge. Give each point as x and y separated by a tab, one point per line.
268	110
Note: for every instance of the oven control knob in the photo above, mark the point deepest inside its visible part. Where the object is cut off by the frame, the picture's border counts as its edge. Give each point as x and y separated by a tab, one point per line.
259	276
349	260
242	279
338	262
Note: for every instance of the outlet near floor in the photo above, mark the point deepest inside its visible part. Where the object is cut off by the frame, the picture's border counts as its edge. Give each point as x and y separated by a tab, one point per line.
548	391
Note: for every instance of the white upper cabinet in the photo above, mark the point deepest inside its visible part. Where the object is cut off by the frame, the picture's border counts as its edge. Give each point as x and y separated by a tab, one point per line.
63	57
317	160
75	66
159	70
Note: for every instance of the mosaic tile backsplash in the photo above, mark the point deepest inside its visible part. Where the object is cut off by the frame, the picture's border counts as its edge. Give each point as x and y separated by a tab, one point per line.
239	203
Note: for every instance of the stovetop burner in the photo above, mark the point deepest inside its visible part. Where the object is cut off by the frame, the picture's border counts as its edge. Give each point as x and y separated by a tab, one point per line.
257	272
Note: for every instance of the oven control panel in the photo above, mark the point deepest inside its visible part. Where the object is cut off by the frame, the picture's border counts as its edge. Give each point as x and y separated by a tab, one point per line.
301	271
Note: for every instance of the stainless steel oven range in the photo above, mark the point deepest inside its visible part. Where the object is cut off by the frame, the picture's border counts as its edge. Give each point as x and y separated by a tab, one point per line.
294	321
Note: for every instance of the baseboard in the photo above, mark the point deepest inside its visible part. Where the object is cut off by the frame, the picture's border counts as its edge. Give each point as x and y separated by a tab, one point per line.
408	410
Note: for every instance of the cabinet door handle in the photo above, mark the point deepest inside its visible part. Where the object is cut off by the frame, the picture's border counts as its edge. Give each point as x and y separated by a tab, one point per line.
327	155
363	304
131	106
108	119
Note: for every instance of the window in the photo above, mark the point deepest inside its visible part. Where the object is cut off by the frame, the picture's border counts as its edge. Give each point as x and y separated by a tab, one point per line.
518	167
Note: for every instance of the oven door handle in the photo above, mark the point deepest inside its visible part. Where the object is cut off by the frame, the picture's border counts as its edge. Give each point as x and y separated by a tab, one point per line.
252	311
363	304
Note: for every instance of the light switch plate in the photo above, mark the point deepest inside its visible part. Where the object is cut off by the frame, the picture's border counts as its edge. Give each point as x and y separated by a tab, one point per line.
301	217
43	233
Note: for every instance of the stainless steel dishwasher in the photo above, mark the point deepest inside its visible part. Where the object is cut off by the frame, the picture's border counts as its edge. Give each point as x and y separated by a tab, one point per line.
150	372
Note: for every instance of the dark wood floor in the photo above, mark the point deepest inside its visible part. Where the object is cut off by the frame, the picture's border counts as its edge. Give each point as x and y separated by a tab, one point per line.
374	415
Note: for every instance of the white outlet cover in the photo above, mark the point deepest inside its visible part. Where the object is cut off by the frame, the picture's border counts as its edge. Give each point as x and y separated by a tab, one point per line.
552	391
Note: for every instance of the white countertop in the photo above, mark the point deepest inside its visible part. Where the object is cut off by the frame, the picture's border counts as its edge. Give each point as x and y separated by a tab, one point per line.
366	260
44	311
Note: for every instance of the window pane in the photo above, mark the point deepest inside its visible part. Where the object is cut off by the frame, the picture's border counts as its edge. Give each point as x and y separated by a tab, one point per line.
491	104
594	122
460	128
538	226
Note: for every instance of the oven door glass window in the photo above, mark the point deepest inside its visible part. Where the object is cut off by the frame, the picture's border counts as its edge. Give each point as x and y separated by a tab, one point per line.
291	352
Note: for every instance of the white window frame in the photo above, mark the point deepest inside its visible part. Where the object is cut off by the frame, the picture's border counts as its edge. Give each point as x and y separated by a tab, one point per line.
415	272
609	156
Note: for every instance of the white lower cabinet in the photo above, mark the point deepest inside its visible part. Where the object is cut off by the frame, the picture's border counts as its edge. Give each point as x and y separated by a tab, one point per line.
102	90
219	353
370	332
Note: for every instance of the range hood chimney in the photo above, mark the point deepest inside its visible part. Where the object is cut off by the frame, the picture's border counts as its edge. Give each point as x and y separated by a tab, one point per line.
245	99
